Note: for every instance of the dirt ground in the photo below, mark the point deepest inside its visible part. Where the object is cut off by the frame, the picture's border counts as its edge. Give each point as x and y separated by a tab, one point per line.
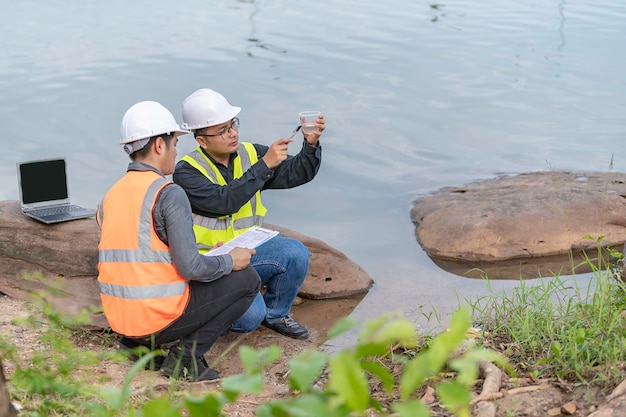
521	397
317	315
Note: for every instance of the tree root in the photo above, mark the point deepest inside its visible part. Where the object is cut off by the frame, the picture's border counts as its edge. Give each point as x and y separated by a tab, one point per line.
6	406
483	403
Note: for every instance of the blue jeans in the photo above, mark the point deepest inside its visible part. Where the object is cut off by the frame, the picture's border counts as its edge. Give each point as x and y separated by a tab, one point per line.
282	263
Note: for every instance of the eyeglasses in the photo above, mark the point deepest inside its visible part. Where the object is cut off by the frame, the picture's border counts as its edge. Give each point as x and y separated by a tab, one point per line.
234	125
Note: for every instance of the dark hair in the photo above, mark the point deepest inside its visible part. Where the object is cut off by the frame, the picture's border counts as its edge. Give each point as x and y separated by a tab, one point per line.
143	152
200	132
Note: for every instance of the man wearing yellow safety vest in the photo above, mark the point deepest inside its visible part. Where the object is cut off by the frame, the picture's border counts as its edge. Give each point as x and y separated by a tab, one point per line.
223	179
155	287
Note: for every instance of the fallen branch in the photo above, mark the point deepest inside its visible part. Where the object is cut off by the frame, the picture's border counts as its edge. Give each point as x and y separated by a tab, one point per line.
491	390
529	388
6	406
488	396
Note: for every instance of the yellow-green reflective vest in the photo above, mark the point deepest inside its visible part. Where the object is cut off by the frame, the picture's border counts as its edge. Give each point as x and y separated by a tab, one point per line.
211	230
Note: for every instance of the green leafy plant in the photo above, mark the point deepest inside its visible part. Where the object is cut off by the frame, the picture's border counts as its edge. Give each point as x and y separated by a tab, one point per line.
351	373
322	383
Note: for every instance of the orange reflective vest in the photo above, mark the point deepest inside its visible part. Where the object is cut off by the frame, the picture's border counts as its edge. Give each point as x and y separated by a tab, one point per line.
140	288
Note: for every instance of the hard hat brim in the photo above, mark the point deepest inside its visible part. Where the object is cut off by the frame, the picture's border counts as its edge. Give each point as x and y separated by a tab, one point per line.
229	115
234	111
181	131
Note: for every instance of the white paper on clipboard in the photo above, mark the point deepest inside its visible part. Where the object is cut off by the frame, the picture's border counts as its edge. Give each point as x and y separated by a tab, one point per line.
251	238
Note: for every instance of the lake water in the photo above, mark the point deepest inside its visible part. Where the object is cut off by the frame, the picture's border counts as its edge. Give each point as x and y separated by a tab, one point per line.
417	96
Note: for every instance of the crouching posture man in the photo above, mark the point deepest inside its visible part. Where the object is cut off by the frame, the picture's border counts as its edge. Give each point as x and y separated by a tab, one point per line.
155	287
223	179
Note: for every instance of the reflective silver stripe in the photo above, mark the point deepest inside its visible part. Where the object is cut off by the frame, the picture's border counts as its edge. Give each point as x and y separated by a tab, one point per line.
212	223
144	292
130	255
202	246
253	204
197	156
244	223
245	158
145	221
245	165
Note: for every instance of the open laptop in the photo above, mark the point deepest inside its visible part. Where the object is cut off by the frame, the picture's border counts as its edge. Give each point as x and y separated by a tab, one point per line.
43	192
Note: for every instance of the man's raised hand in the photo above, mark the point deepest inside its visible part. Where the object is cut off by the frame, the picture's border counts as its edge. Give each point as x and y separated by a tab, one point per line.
277	153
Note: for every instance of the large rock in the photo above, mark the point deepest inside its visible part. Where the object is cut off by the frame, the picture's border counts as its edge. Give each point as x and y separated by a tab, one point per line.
63	256
331	273
59	257
528	216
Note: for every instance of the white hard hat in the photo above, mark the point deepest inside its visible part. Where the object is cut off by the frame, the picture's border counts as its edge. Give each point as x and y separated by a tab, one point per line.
205	107
145	120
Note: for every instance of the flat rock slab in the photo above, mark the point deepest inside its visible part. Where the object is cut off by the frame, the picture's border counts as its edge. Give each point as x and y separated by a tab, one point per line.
534	215
62	258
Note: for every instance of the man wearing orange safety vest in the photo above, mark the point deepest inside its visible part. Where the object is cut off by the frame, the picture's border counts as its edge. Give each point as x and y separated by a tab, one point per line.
155	287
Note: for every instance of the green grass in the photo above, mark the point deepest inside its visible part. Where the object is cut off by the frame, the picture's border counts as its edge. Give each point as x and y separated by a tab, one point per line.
558	330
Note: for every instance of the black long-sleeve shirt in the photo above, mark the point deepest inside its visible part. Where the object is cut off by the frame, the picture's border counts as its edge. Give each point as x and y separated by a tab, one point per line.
214	200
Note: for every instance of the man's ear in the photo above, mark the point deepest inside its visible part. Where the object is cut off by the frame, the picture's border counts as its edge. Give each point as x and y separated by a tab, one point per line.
159	145
201	141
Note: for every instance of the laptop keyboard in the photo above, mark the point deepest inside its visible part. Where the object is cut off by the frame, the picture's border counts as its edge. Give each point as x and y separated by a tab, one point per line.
55	210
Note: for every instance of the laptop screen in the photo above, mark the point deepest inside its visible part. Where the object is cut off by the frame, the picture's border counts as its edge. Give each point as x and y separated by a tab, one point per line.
42	181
